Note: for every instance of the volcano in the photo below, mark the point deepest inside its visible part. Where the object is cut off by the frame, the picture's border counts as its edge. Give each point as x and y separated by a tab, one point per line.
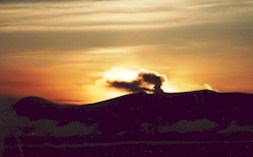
155	124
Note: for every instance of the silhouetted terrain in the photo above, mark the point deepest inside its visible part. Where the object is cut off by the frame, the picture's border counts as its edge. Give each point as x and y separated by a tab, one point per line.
181	124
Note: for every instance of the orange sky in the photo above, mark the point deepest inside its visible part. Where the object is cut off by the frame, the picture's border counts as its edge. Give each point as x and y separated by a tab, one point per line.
63	53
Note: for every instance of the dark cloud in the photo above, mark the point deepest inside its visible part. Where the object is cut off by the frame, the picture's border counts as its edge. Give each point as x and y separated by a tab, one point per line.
187	126
133	86
145	81
235	127
153	78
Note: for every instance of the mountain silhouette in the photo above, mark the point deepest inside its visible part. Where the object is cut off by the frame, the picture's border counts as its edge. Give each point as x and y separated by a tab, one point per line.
130	111
197	116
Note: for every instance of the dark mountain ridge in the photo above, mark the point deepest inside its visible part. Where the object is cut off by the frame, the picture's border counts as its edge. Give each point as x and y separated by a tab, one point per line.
132	112
189	105
205	123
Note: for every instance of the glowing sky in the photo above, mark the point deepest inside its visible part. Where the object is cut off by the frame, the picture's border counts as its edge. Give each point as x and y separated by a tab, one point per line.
61	50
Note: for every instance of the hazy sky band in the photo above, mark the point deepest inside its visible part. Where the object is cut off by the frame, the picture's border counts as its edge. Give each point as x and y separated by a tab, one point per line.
192	42
120	15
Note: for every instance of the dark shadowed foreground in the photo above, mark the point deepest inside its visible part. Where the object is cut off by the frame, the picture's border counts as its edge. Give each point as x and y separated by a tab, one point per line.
201	123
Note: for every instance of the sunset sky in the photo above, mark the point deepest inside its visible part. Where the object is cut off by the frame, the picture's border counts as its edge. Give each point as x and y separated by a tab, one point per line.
66	50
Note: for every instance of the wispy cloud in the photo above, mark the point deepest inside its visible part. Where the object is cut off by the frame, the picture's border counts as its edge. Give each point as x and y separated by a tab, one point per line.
87	36
119	15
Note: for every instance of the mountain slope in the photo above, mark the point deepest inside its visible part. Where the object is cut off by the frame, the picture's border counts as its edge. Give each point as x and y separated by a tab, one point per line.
204	123
150	116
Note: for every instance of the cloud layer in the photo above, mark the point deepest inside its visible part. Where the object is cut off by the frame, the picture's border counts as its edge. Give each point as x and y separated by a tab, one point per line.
186	126
117	14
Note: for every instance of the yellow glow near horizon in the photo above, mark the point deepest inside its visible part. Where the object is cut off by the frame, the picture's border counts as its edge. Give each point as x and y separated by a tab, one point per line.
129	75
120	74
